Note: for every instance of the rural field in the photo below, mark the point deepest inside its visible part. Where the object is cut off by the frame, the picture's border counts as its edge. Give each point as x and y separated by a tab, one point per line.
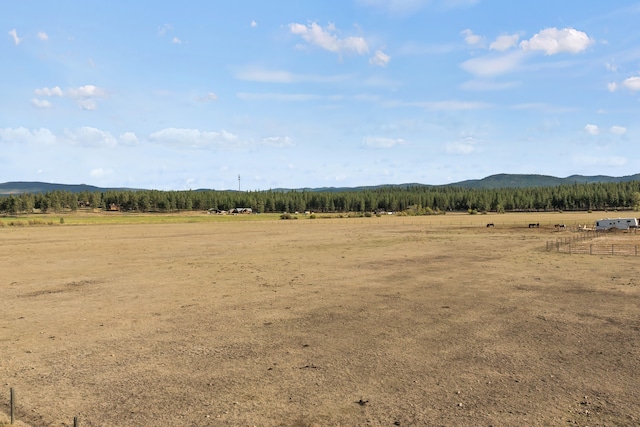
383	321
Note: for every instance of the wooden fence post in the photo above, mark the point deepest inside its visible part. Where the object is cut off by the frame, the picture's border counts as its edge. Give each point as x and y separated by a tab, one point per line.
75	422
591	249
12	403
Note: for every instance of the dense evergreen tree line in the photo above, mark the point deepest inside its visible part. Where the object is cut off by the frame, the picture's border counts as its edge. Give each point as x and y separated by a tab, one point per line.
420	199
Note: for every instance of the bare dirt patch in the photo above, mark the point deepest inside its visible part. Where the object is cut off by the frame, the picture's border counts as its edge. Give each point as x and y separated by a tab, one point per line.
373	321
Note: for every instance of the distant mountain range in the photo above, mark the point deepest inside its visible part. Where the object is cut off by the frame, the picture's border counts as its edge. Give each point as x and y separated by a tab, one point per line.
494	181
490	182
20	187
520	181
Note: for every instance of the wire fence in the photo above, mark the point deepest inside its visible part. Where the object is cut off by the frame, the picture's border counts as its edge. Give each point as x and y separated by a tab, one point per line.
587	243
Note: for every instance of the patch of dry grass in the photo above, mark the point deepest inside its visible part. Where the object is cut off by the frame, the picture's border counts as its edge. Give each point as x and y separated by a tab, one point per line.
411	320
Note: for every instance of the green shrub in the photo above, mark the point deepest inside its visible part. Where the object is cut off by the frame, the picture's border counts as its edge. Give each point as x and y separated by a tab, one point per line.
61	220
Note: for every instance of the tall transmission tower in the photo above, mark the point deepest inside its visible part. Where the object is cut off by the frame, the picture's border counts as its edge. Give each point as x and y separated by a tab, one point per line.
238	182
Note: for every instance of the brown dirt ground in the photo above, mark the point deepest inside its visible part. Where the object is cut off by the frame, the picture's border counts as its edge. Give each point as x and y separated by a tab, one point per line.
345	322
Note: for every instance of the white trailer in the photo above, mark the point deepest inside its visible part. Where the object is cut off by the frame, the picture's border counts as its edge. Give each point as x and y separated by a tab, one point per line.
619	223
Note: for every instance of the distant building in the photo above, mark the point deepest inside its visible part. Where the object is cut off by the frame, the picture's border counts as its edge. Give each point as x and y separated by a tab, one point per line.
619	223
241	211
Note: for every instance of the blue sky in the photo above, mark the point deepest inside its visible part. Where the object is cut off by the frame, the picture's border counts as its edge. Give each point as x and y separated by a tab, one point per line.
191	94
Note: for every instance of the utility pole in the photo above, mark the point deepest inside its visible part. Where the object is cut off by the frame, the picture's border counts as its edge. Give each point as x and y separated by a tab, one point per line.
238	182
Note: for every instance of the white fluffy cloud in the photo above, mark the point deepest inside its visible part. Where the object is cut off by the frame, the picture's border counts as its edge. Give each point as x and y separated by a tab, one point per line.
595	129
504	42
83	136
618	130
552	41
380	59
592	129
89	137
490	65
377	142
40	103
55	91
128	138
472	39
632	83
23	135
88	91
85	96
327	38
254	24
193	138
612	87
43	36
14	35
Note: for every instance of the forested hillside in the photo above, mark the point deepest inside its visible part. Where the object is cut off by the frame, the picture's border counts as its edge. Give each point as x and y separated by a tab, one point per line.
505	180
417	200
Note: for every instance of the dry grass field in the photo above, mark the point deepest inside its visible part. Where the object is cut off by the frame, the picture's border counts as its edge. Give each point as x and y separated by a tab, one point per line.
392	321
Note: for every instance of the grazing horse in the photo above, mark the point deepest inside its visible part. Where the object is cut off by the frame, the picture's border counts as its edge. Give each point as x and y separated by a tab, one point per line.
490	225
560	227
537	225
